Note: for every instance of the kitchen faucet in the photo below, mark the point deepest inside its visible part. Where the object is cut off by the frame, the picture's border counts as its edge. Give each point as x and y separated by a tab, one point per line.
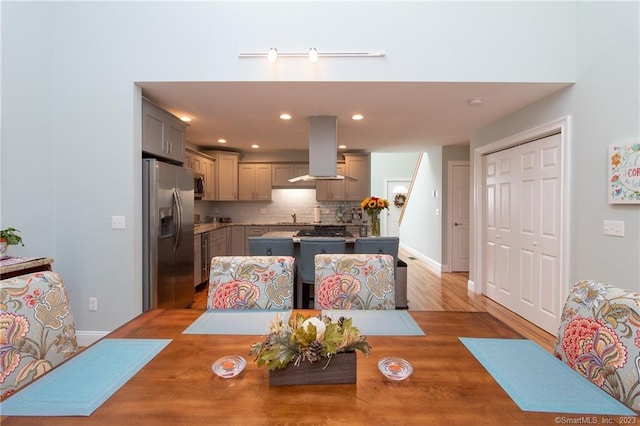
294	217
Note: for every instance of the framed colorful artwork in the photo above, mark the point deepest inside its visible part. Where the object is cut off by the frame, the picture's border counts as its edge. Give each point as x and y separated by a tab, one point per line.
624	173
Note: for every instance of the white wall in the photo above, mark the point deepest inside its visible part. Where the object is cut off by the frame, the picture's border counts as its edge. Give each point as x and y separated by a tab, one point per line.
386	166
421	229
71	112
604	106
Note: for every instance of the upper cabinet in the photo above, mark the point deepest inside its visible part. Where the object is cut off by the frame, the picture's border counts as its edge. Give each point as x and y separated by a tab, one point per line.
226	175
209	172
204	165
357	166
162	133
254	182
332	190
282	172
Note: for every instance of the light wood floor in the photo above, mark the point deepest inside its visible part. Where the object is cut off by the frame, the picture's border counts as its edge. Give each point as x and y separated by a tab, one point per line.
428	290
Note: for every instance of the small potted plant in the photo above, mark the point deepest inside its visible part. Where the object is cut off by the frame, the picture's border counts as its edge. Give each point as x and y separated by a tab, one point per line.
9	237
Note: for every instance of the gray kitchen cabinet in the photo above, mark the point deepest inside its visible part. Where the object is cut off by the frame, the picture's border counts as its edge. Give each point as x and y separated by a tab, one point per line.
226	175
253	231
197	259
357	166
193	160
332	190
282	172
254	182
238	241
209	172
162	133
218	242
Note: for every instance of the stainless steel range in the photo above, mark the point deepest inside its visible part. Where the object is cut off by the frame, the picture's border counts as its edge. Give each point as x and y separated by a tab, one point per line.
325	231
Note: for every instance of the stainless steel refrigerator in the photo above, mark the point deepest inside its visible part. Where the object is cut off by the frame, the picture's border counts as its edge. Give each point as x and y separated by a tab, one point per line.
167	208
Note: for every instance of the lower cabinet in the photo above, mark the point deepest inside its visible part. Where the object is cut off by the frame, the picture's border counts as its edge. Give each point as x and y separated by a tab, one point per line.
218	242
197	259
238	242
253	231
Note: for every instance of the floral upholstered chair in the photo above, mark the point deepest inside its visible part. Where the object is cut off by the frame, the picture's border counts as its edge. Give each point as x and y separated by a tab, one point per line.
354	281
599	337
36	328
251	282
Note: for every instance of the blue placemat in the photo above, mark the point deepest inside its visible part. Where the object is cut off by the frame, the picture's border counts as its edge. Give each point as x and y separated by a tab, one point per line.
538	381
83	383
379	322
235	321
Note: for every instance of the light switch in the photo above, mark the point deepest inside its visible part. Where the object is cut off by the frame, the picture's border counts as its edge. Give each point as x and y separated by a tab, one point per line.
117	222
614	228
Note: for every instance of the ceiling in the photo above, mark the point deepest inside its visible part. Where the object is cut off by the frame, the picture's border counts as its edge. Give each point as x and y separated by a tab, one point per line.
398	117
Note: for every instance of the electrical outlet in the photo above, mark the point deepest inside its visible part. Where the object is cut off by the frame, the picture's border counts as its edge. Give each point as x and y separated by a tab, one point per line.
93	303
117	222
614	228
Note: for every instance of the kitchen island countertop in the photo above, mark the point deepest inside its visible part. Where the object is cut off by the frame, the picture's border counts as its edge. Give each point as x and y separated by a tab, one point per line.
208	227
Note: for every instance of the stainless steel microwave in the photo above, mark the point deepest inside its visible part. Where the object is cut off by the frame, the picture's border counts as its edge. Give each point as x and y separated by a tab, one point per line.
198	185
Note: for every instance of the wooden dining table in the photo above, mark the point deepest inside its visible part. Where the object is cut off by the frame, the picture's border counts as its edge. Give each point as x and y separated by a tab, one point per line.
177	387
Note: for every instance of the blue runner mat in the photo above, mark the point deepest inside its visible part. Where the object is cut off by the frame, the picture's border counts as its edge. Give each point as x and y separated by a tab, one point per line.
83	383
538	381
379	322
235	321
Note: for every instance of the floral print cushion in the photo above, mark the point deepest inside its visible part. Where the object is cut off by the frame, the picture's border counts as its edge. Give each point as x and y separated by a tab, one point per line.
354	281
599	337
251	282
36	328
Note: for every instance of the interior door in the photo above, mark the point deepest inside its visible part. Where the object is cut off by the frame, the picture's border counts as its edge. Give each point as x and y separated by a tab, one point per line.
523	230
459	215
392	226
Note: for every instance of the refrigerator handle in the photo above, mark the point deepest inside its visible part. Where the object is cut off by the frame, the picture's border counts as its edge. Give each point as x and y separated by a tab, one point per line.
178	202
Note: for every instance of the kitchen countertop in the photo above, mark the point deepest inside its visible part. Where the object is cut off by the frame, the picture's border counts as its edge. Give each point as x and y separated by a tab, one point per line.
208	227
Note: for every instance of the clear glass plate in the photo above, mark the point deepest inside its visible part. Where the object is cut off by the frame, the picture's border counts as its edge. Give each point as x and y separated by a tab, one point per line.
395	368
229	366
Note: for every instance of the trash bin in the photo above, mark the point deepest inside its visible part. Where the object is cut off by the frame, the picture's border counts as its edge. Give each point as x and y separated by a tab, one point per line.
401	285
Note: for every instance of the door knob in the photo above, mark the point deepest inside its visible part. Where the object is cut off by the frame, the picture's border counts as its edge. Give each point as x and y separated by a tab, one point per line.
457	224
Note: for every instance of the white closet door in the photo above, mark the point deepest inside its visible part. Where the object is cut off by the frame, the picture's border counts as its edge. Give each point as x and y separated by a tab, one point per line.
522	230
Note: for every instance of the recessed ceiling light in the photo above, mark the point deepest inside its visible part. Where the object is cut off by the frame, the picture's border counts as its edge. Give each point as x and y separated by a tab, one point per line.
357	117
285	116
342	146
475	102
255	146
186	119
222	140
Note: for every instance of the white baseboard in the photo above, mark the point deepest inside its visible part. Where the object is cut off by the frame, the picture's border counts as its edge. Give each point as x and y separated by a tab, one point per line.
471	286
430	262
87	338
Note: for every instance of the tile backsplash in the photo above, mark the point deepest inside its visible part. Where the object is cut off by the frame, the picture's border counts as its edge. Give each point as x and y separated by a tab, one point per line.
284	203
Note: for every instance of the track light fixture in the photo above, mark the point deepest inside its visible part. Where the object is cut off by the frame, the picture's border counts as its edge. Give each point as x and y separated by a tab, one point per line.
312	54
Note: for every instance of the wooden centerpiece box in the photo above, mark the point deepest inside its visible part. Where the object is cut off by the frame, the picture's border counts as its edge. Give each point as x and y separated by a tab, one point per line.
341	368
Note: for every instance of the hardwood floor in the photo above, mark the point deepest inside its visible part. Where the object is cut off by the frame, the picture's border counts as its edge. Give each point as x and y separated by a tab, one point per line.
428	290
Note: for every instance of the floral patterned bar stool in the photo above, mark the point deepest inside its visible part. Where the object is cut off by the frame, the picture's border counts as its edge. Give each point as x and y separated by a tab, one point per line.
599	337
251	282
354	281
36	328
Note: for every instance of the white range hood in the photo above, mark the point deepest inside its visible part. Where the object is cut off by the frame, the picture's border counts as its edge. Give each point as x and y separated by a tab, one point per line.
323	150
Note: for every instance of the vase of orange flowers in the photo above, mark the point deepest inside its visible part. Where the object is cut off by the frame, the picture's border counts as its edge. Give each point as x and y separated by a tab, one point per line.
373	206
